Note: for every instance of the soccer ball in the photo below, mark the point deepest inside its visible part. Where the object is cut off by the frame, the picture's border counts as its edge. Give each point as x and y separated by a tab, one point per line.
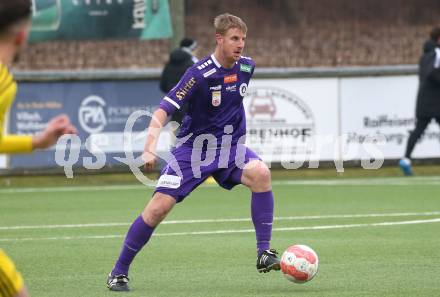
299	263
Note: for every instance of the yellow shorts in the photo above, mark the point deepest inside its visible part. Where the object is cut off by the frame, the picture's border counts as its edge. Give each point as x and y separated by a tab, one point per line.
11	282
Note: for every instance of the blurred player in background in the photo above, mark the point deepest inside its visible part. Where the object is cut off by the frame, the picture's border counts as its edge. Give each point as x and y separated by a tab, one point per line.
428	97
213	89
14	27
180	60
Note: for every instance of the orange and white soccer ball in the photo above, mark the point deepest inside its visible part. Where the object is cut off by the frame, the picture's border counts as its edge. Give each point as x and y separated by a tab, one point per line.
299	263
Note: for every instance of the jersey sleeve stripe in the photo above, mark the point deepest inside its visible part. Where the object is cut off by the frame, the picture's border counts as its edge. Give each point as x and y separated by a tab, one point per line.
168	99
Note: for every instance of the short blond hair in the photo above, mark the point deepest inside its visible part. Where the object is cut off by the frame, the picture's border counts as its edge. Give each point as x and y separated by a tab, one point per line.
226	21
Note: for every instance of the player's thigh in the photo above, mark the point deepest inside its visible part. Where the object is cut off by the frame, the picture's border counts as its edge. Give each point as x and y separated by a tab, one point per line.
178	178
241	157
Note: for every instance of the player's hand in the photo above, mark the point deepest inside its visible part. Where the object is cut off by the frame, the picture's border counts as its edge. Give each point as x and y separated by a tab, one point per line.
56	127
149	159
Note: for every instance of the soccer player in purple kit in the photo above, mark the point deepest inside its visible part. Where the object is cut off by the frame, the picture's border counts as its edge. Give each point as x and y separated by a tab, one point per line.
213	131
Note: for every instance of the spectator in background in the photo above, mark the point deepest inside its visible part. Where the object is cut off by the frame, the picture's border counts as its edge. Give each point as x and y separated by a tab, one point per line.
180	60
428	97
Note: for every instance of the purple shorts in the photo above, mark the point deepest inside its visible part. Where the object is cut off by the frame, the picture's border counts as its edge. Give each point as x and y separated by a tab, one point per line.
186	169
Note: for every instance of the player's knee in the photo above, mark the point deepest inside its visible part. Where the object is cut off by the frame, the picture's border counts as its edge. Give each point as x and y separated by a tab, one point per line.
154	215
261	174
157	209
264	174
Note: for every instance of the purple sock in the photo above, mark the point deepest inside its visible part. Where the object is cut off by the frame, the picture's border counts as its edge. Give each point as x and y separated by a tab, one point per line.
137	236
262	217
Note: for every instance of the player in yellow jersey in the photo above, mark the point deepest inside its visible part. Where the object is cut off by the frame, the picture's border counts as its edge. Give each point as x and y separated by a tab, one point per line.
14	28
11	282
15	22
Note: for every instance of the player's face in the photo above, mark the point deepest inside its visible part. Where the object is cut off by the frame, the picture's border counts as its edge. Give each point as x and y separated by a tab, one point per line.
232	44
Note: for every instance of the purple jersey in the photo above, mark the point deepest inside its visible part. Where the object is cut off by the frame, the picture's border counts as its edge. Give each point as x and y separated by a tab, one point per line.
214	96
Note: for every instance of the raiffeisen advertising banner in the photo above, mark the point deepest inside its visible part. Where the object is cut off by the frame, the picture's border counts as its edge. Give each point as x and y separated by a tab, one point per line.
100	19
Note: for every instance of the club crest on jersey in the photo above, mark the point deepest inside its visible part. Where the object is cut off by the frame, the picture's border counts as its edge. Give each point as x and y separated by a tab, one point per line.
246	68
216	98
230	79
243	89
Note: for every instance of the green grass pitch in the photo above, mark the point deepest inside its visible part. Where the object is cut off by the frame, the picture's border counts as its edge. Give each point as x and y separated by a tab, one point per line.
375	237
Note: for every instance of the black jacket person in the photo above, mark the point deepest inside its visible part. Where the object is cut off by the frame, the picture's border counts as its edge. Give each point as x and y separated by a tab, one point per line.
180	60
428	97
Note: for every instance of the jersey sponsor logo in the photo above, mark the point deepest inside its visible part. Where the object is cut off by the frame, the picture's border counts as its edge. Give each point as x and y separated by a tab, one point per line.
230	79
216	98
231	88
181	93
243	89
169	181
209	73
216	88
204	65
246	68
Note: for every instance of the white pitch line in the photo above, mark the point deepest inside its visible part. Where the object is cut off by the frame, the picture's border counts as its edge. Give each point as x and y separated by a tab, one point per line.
215	232
201	221
361	182
388	181
72	189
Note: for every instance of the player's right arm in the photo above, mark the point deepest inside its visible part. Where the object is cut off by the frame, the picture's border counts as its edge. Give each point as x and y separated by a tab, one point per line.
173	101
157	122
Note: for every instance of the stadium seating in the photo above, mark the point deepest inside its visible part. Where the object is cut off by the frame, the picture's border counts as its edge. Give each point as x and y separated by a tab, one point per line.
282	33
